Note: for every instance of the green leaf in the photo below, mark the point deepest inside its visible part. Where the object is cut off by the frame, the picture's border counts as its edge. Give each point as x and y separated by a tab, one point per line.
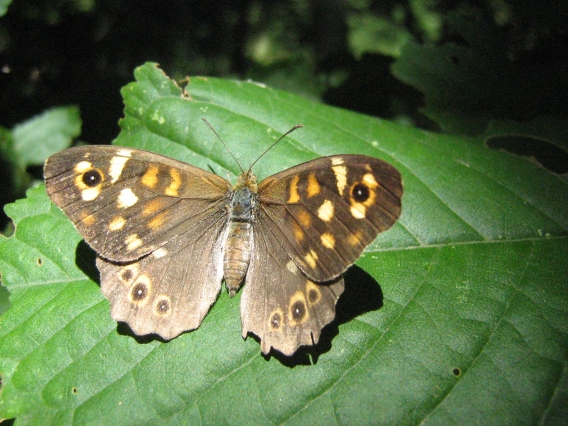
459	314
50	132
4	6
30	143
374	34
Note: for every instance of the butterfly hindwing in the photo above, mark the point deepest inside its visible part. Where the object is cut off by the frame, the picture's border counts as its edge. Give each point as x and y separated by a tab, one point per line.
170	290
326	211
280	304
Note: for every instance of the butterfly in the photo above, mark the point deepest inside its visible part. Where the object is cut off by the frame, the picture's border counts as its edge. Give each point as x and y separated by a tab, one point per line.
167	234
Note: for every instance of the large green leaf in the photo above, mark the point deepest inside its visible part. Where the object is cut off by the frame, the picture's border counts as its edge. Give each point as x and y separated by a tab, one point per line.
459	314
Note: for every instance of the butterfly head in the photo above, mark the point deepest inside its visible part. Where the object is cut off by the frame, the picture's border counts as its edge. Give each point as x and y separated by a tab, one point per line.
247	180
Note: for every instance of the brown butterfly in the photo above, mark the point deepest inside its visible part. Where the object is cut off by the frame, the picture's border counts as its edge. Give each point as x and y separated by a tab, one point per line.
167	233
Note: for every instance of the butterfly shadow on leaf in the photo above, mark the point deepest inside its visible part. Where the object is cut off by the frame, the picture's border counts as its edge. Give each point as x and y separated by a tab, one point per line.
85	258
362	294
124	330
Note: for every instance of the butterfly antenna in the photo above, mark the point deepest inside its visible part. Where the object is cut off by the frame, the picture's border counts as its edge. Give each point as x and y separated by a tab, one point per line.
224	144
297	126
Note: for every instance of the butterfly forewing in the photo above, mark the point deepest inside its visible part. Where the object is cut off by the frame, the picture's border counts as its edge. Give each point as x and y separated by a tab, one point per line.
127	203
326	211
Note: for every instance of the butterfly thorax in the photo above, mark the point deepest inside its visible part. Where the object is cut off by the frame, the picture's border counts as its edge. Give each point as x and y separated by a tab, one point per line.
238	244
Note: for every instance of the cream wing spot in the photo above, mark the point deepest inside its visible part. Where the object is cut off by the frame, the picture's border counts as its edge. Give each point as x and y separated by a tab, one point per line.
341	177
82	167
116	224
124	152
291	266
370	181
159	253
358	211
90	194
132	242
337	161
326	211
116	166
126	198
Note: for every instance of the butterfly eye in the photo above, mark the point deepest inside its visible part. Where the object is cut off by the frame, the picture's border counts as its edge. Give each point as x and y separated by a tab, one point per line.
275	320
92	178
360	193
298	310
163	306
127	275
139	292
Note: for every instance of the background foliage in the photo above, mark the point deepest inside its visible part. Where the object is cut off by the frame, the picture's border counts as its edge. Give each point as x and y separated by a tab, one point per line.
472	327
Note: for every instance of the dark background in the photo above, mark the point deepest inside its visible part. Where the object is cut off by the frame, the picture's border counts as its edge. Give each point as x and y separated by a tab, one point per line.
81	52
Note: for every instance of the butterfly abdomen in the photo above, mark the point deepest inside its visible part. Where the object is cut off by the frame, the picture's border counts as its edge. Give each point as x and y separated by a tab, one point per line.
237	255
236	258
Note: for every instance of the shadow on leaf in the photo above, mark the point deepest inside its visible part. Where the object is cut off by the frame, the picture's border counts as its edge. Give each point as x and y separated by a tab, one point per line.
85	259
124	330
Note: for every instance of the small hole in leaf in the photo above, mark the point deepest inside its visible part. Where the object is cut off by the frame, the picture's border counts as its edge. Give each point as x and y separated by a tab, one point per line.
457	372
74	390
39	261
548	155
